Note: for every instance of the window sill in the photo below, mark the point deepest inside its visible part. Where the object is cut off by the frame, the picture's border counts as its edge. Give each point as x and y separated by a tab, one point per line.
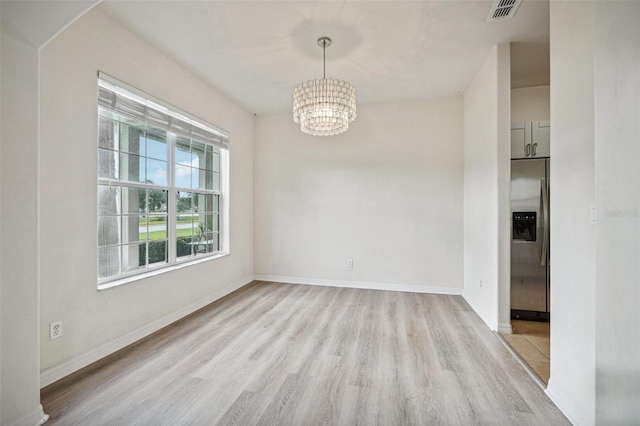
159	271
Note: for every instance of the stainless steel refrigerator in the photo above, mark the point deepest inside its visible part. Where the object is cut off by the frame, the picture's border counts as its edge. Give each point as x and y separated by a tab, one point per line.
530	239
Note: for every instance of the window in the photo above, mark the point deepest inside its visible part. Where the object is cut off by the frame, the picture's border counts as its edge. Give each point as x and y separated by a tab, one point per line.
161	185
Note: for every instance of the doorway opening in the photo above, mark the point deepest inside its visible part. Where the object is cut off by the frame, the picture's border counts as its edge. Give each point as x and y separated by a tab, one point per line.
529	268
530	340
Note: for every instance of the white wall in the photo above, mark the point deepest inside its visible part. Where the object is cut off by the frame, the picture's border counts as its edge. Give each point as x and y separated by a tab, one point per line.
19	273
94	321
387	194
1	264
504	187
486	198
595	104
573	253
617	169
530	104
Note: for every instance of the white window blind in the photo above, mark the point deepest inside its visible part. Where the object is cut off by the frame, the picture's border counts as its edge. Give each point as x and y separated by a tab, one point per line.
126	100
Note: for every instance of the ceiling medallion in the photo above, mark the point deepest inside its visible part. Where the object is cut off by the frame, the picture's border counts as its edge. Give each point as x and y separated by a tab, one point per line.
324	107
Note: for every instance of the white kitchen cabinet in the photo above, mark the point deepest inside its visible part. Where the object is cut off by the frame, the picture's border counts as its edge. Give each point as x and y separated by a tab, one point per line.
520	140
530	139
540	139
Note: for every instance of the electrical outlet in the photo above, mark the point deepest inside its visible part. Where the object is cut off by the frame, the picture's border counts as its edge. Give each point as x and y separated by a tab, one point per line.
349	263
480	283
55	330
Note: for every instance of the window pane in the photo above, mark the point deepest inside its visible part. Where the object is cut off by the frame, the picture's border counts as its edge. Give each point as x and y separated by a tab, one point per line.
183	151
198	179
108	261
215	181
184	246
212	243
198	150
156	172
185	220
207	200
213	160
132	257
157	251
208	158
200	244
213	223
199	203
133	200
201	229
108	230
156	200
132	168
209	181
134	229
205	224
108	199
183	176
107	131
132	136
205	203
216	161
183	202
157	144
107	164
157	227
187	227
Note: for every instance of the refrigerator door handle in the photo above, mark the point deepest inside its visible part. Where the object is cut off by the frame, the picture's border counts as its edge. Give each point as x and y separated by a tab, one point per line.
545	222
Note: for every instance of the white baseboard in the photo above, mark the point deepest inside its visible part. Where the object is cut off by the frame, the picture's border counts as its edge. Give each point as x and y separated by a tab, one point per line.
567	406
493	326
410	288
505	328
59	371
36	418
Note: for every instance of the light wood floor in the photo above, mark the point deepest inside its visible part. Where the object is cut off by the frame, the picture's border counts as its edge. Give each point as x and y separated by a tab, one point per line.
531	340
303	355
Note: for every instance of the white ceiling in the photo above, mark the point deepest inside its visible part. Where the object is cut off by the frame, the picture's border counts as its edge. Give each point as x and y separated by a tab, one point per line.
258	51
36	22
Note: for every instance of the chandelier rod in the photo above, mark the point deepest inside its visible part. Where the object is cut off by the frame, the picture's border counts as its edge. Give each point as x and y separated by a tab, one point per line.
324	58
324	42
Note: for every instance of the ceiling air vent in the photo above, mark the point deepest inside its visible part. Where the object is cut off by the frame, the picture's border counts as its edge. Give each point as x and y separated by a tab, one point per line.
503	9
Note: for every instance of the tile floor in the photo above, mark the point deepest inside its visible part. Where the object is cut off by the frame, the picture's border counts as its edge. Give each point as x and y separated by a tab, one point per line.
530	339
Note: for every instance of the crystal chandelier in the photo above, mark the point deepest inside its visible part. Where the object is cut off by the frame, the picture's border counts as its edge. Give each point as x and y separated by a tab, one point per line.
326	106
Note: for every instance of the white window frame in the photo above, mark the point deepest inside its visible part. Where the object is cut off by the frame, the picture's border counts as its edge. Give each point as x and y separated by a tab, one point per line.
201	132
